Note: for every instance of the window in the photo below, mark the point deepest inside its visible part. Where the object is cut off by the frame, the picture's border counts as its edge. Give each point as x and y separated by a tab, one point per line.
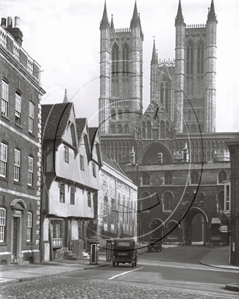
222	175
66	154
89	198
29	227
126	128
194	178
168	178
2	224
31	117
227	198
82	165
145	179
200	58
57	233
72	200
220	199
189	61
4	102
115	70
160	157
3	160
17	156
30	171
62	193
18	105
167	201
93	169
120	128
113	114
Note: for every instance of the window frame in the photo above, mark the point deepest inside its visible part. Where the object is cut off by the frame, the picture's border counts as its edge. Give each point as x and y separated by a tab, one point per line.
62	193
89	198
17	165
66	154
29	227
18	108
93	169
30	170
3	159
5	98
3	224
166	209
31	117
72	195
82	162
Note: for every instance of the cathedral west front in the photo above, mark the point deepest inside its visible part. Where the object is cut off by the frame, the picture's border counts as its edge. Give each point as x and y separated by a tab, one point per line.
172	151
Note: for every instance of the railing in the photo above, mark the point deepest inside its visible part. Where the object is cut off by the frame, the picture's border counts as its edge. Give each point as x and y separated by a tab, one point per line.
15	52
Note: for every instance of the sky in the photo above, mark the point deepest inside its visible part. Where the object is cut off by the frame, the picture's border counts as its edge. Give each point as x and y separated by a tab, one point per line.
64	38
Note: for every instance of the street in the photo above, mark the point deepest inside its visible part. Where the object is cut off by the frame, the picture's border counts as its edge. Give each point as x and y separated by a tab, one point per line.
155	277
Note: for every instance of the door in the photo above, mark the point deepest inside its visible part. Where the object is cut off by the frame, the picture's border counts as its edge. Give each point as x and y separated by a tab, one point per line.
15	237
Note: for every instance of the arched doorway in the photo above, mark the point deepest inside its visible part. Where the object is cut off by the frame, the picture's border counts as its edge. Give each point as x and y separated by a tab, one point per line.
156	227
195	225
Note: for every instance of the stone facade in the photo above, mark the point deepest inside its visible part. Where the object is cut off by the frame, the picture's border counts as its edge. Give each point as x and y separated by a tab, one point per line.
20	157
117	204
234	224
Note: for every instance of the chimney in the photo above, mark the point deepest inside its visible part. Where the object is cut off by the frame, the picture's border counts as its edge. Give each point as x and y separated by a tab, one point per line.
15	31
3	22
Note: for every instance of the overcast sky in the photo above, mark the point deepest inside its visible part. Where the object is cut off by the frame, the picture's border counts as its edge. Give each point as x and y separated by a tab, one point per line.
64	38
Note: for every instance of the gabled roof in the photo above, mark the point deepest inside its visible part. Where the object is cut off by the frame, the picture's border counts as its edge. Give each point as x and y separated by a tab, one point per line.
80	125
113	164
92	132
54	119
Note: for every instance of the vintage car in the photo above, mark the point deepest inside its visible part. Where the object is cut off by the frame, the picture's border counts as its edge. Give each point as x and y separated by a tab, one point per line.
124	251
155	244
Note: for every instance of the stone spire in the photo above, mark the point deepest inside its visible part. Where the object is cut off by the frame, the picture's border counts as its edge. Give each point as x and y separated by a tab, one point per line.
65	100
179	18
135	19
154	55
211	15
112	23
104	22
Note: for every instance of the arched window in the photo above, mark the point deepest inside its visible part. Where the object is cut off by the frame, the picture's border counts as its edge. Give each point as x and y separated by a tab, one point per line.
168	178
189	61
29	227
222	175
162	130
119	128
143	130
145	179
220	199
166	98
194	177
167	201
126	128
125	66
186	197
3	159
162	92
148	130
2	224
115	70
200	58
113	114
201	197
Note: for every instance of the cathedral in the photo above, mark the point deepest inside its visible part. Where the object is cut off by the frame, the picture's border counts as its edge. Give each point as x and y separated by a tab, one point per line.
171	151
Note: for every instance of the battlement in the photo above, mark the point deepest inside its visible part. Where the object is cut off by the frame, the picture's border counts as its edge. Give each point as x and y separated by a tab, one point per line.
169	62
120	30
196	26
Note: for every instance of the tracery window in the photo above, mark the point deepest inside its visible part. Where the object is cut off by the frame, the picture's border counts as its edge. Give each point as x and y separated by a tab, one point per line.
200	58
189	59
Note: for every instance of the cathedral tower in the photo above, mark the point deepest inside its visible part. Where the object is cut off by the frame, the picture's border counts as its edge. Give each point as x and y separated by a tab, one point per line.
120	102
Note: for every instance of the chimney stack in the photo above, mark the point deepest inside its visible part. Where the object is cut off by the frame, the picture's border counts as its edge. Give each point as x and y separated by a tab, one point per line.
15	31
3	22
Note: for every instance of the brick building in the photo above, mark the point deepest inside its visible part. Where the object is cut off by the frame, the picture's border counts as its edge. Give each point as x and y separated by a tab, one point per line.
116	208
20	148
234	197
179	160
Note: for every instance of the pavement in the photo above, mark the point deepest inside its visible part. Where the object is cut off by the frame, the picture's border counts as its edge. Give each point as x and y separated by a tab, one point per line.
217	257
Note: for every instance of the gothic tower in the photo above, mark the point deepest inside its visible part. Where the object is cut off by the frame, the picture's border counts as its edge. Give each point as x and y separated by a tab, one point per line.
199	106
121	55
179	70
